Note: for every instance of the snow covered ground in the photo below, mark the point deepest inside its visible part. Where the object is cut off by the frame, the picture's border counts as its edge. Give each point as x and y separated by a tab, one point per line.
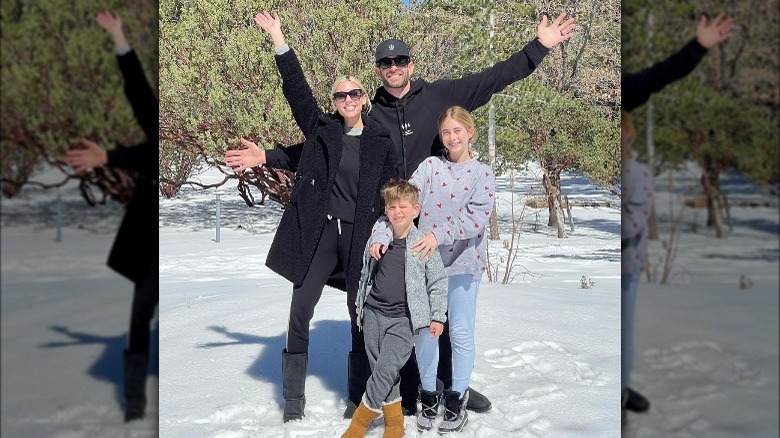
64	317
707	350
548	351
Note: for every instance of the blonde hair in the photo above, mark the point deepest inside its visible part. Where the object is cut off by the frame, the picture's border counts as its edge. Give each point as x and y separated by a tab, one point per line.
399	189
348	78
462	116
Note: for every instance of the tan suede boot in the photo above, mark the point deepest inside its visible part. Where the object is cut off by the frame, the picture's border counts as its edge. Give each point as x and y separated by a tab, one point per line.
394	420
362	417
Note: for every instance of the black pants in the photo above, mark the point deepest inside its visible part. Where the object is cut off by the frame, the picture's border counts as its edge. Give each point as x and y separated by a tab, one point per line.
145	299
331	256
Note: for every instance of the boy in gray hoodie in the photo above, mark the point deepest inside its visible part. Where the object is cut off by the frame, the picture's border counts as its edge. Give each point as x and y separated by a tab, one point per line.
398	296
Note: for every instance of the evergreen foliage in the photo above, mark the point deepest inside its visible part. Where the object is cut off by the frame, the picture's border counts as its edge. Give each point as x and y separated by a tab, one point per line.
220	80
725	114
60	80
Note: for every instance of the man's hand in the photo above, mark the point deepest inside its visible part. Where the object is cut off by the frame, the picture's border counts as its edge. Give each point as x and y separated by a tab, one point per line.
551	35
242	159
715	32
82	159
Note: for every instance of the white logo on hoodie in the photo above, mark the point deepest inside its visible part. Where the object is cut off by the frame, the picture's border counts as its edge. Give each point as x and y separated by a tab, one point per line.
406	129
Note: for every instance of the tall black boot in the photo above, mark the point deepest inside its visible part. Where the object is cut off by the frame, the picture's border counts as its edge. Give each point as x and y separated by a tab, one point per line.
294	384
358	372
136	366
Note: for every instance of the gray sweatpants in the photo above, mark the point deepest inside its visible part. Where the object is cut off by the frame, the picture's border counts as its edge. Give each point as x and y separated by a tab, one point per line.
389	343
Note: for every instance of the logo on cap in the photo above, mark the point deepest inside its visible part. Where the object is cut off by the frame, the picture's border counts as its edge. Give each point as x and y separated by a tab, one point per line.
392	47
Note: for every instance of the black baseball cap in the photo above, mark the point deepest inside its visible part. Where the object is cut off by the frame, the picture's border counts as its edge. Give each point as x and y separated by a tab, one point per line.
391	47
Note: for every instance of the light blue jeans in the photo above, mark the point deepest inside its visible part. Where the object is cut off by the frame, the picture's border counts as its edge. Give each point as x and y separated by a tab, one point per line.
461	314
628	287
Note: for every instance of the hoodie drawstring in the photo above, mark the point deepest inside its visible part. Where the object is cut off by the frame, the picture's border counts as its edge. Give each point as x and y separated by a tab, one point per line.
401	116
338	222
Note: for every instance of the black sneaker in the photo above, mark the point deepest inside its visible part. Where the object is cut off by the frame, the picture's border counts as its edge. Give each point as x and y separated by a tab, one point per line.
636	402
477	402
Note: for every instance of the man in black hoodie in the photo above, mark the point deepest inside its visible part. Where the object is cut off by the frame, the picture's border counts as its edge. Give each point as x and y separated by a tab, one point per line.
636	89
410	110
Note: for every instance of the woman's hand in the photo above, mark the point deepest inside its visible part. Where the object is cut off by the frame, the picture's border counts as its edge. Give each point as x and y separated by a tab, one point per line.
112	23
242	159
90	156
272	25
426	246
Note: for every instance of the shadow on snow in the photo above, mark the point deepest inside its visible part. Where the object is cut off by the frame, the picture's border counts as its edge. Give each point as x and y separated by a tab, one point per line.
329	344
108	366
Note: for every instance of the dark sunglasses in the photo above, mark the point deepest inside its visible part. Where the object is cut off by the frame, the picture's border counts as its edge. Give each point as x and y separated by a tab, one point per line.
385	63
341	96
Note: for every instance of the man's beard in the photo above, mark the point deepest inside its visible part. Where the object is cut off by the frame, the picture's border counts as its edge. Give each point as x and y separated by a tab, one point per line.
404	82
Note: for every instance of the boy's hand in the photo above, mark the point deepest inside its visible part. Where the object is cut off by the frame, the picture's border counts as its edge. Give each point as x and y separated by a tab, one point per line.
357	310
436	329
376	250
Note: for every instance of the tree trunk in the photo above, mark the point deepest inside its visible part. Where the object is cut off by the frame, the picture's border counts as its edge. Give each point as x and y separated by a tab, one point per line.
493	225
559	219
551	180
652	224
710	182
548	189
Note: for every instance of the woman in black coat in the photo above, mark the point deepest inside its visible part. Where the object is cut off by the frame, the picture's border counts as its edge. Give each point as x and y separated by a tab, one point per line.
134	254
340	167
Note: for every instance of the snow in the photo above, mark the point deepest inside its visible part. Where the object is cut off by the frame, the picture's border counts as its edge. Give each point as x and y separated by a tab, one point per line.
706	350
64	315
548	351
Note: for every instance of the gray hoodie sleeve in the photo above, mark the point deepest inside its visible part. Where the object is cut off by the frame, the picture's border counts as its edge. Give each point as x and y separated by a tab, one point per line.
381	232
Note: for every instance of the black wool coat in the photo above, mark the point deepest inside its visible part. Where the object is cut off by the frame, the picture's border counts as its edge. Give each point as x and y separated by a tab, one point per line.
136	246
316	162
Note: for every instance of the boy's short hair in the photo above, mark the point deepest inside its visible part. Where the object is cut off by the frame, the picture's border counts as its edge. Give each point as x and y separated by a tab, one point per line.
396	189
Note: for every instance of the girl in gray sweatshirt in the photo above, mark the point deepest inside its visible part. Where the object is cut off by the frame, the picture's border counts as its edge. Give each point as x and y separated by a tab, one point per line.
457	193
